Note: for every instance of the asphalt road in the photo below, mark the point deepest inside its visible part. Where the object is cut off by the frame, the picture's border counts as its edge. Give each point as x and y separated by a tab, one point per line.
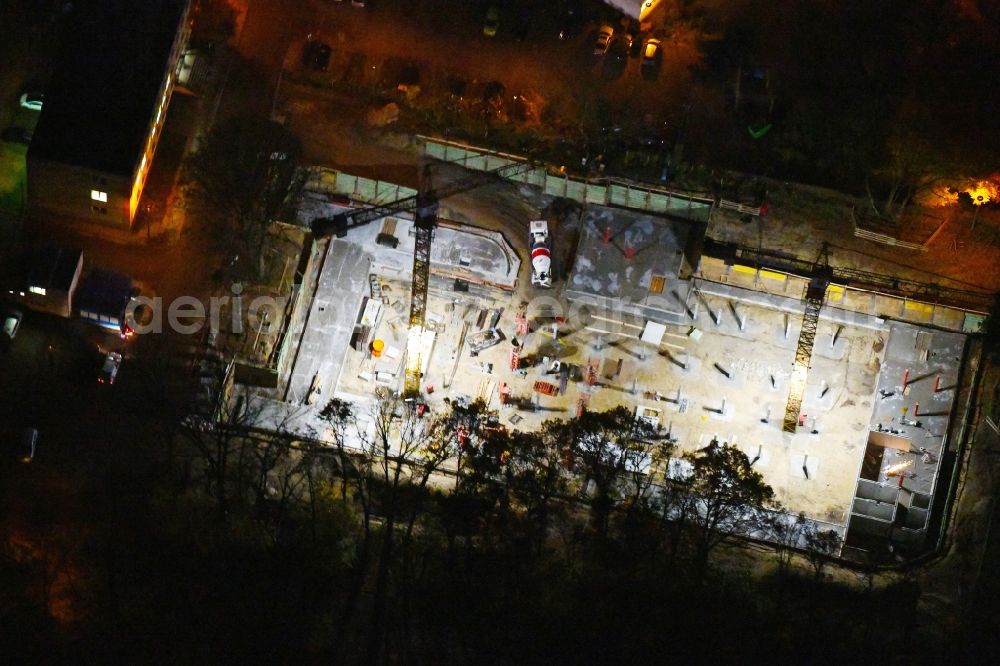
49	375
268	28
49	371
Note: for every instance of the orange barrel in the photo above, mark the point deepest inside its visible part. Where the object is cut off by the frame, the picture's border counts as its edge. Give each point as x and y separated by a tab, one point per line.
377	347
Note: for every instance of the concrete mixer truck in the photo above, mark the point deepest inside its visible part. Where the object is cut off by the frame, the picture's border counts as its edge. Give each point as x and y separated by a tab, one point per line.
541	254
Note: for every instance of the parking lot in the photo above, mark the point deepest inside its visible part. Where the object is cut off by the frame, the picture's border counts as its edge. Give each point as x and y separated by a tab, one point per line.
50	372
537	88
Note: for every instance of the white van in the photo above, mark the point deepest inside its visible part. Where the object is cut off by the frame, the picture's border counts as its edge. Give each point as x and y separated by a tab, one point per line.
11	322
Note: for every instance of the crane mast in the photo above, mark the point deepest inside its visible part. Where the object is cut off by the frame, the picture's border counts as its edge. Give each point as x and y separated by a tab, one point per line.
424	222
424	205
815	295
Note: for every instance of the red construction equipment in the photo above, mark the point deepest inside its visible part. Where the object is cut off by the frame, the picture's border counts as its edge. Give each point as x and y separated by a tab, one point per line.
546	388
521	321
593	365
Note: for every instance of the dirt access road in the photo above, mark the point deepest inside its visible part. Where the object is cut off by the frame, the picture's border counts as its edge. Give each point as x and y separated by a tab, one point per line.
372	49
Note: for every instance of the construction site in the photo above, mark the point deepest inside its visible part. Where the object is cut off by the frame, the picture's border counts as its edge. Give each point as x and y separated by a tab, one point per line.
846	397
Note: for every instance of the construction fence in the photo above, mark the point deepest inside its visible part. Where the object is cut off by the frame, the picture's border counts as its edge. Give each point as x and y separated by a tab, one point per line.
852	299
356	188
555	182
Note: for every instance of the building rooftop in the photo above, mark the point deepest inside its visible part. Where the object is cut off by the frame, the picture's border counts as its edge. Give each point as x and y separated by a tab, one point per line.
52	267
104	292
98	104
627	259
343	282
459	251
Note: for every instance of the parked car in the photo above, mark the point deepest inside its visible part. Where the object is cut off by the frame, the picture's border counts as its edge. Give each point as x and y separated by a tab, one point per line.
492	22
109	371
568	23
32	100
652	54
16	135
522	24
604	36
619	48
29	442
634	45
316	55
11	322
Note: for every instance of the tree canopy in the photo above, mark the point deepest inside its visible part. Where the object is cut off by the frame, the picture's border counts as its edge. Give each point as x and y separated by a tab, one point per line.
730	496
238	182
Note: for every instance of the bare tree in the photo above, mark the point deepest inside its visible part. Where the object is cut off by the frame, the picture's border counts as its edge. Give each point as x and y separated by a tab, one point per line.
609	447
401	450
675	507
167	385
915	158
538	478
640	479
821	547
234	453
340	415
280	477
908	163
237	183
786	535
727	497
214	21
468	422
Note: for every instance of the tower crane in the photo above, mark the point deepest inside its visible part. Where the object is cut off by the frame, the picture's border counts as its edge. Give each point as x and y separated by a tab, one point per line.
815	295
424	206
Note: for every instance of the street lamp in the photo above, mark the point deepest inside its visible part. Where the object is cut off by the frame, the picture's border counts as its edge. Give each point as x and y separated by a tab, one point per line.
979	204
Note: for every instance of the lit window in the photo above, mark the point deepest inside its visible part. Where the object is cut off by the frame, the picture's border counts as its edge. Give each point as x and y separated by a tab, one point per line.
37	290
99	196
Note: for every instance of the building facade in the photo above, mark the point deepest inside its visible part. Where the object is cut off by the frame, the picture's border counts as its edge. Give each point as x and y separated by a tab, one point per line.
51	275
105	109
